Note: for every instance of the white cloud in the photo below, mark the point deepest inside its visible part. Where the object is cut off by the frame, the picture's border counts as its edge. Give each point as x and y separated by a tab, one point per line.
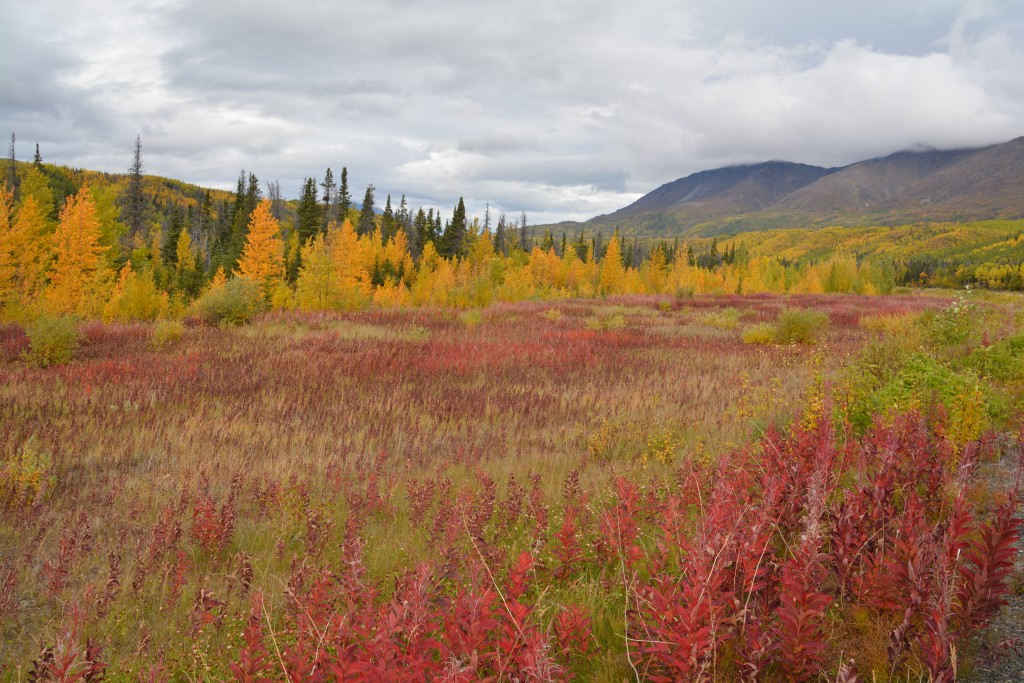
565	110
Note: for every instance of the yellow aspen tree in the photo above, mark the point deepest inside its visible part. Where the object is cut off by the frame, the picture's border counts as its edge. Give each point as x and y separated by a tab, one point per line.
655	271
349	254
77	254
34	183
185	260
262	259
7	281
316	288
141	299
30	242
612	275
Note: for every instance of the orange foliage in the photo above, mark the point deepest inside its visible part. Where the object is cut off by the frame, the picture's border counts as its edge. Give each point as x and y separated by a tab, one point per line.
262	259
77	254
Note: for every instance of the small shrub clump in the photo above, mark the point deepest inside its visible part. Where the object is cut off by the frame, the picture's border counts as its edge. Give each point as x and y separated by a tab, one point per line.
236	302
725	319
52	340
167	332
800	326
761	333
25	477
607	323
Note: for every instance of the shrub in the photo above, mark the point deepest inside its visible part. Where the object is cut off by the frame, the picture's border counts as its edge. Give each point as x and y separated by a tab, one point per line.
897	324
552	315
135	297
762	333
800	326
51	340
24	477
470	318
282	298
611	322
725	319
167	332
1002	361
953	325
234	303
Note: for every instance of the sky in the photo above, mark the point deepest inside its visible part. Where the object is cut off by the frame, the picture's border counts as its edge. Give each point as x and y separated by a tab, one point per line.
564	109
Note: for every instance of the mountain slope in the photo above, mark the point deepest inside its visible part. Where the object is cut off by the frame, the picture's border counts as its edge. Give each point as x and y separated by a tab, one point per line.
929	185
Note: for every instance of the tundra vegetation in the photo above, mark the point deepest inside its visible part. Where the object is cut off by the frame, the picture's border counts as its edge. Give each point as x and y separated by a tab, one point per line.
632	487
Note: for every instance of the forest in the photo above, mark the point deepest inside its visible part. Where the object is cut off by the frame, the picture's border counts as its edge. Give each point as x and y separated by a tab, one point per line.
252	439
136	247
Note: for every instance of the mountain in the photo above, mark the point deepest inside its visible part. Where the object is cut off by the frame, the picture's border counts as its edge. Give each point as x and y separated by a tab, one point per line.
908	186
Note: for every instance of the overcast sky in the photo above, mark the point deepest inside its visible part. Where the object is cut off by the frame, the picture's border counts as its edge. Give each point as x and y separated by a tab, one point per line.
560	108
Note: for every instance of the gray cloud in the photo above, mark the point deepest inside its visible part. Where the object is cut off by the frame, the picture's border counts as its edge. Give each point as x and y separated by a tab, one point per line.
564	110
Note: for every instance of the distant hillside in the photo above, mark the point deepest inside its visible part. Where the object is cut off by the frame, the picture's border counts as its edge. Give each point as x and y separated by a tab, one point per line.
932	185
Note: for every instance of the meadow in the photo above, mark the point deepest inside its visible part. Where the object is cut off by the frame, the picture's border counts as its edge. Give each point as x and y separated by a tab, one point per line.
654	488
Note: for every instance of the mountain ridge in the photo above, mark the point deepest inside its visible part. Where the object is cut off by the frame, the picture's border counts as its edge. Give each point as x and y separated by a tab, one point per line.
905	186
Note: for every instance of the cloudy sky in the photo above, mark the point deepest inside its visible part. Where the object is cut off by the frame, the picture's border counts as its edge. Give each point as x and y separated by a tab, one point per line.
560	108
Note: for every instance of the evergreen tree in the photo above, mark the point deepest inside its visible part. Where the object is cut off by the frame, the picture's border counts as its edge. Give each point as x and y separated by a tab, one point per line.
548	242
387	222
431	233
38	158
329	188
169	249
344	198
366	224
276	200
12	168
420	234
500	236
308	211
524	234
135	199
582	246
453	241
403	219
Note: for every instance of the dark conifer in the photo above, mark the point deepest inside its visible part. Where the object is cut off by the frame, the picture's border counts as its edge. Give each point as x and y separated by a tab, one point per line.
366	223
344	198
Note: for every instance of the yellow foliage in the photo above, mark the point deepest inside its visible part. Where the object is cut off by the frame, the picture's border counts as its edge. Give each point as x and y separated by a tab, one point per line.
612	273
77	255
219	279
391	295
316	288
262	259
24	478
135	297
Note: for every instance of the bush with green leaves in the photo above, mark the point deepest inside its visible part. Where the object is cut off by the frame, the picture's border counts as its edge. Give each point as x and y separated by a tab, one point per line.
1002	361
52	340
800	326
953	325
235	303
